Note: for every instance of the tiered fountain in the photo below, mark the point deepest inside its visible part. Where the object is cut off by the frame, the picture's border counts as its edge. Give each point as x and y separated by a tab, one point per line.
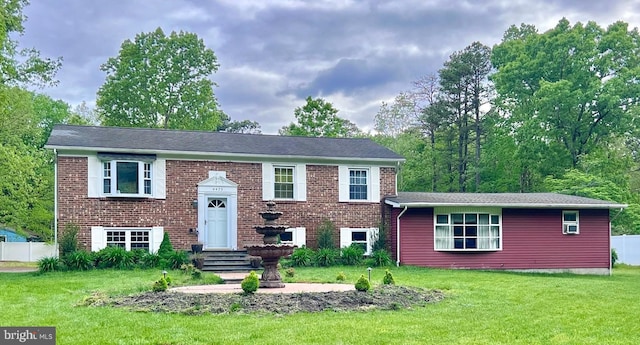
270	251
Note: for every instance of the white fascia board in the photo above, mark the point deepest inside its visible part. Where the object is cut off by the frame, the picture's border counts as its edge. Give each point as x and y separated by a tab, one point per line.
222	156
528	205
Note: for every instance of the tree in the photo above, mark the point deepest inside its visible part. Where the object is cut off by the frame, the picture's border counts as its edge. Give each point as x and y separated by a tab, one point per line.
244	126
160	81
21	66
318	118
568	90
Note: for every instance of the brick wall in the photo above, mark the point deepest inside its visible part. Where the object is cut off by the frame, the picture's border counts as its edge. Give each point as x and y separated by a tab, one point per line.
177	215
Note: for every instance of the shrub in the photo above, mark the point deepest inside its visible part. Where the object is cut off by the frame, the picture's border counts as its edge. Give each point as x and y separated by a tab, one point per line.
352	255
290	272
388	278
380	257
166	249
137	255
149	260
363	284
49	264
160	285
325	235
614	257
196	274
69	239
380	239
175	259
187	268
250	283
114	257
79	260
341	277
302	257
326	257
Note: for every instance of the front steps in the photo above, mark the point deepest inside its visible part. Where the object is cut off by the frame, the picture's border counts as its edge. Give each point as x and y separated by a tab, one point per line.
227	261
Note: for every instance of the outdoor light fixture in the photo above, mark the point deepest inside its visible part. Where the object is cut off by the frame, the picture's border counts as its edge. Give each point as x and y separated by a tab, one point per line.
194	203
369	269
164	274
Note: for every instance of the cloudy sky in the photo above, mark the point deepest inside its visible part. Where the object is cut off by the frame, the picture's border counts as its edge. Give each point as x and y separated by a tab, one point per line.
275	53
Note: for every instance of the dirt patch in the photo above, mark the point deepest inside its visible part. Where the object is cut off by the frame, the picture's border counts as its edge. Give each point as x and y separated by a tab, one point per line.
384	297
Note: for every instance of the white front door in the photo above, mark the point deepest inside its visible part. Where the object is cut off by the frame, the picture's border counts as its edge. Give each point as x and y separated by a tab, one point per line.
217	225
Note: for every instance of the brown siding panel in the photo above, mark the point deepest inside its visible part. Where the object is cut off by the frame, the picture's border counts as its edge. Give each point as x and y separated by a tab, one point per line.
532	239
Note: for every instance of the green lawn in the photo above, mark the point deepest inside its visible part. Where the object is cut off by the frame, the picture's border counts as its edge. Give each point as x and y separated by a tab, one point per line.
480	308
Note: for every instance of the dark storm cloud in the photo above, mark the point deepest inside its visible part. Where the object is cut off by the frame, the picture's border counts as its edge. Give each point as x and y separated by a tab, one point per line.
273	54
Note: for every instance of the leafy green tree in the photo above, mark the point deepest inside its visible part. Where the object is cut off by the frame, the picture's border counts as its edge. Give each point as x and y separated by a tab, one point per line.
318	118
244	126
21	66
566	91
160	81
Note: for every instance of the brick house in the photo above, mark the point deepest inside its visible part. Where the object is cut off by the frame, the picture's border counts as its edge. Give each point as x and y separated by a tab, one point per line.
127	186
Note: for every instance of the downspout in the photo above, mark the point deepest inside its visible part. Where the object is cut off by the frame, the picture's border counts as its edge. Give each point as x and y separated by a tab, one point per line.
398	236
55	202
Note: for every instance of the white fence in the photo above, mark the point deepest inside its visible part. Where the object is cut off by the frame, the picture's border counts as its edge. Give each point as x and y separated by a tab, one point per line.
25	251
628	248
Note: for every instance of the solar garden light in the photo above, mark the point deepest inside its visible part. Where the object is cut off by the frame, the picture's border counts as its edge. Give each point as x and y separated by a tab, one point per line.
164	274
369	269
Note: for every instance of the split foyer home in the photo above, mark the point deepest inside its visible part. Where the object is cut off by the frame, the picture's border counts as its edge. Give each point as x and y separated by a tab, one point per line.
128	186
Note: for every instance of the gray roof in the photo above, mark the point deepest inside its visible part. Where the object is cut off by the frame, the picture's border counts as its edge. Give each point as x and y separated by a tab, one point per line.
514	200
144	140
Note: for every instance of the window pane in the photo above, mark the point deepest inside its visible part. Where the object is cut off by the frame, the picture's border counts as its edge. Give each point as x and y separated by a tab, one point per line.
471	218
106	186
286	237
495	219
442	219
458	231
358	192
283	191
456	218
483	219
140	240
127	177
147	186
471	231
359	236
471	243
458	243
442	231
570	216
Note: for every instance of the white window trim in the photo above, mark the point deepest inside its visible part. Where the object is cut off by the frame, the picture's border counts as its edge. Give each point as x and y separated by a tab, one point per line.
299	181
298	236
345	237
566	224
450	210
99	236
373	183
94	180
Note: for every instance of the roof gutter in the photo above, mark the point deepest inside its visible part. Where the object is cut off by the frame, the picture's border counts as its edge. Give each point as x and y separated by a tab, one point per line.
398	236
521	205
55	203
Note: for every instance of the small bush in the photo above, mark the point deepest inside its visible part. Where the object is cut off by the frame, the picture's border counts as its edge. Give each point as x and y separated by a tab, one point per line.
69	239
175	259
388	278
363	284
380	239
160	285
149	260
137	255
352	255
380	258
614	257
187	268
290	272
196	274
49	264
341	277
250	283
79	260
114	257
326	257
302	257
166	249
325	235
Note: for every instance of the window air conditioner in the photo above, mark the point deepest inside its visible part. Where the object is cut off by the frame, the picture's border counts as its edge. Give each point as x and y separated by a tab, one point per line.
570	229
